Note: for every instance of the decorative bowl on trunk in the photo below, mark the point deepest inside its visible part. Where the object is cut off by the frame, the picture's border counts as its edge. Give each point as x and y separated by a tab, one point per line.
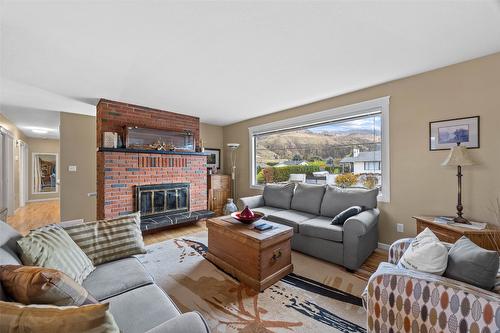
247	219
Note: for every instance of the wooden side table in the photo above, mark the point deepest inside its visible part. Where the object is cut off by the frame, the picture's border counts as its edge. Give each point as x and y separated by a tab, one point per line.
488	238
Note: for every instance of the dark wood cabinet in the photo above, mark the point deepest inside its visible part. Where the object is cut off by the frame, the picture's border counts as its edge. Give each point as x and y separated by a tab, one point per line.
219	190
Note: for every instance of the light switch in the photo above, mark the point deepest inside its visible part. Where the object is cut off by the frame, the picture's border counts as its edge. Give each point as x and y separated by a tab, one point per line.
72	168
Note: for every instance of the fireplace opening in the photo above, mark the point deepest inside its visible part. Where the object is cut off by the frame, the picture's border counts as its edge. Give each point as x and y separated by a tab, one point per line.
162	198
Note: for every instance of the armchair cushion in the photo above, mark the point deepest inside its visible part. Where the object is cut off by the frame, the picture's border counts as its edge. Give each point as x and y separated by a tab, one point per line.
472	264
278	195
425	254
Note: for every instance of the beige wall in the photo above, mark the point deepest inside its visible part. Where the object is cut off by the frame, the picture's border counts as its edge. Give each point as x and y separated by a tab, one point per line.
212	137
18	135
41	146
419	185
78	148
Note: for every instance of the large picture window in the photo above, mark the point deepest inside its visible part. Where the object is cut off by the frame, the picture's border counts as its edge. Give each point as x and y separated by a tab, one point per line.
347	147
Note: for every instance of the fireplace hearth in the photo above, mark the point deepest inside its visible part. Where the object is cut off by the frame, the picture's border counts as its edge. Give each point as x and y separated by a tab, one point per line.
166	205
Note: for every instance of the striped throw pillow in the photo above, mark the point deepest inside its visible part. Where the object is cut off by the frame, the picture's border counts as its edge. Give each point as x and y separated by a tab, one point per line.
51	247
109	240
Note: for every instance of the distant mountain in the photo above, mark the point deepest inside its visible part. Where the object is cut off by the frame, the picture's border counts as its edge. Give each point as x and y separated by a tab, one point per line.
309	144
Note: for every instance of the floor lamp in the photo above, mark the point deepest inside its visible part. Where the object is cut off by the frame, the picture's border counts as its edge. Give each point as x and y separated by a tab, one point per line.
230	206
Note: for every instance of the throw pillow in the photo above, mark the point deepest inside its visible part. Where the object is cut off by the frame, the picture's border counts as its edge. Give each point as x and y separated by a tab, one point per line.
341	217
278	195
109	240
51	247
49	318
467	262
307	198
337	199
425	254
39	285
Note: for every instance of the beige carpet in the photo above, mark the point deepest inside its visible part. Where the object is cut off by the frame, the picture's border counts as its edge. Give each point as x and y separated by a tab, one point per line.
297	303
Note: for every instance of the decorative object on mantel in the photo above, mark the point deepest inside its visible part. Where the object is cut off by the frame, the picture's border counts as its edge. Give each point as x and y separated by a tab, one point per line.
161	140
213	158
200	148
487	238
458	157
110	140
444	134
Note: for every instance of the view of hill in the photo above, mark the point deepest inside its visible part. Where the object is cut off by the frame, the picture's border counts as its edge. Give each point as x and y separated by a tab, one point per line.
309	144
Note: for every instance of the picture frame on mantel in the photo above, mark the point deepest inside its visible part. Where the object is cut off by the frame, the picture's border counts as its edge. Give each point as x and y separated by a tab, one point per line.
213	158
445	134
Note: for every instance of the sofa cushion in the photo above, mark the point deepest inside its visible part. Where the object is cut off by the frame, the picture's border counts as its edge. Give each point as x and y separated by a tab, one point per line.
267	210
337	199
40	285
278	195
116	277
307	198
141	309
322	227
341	217
8	250
469	263
291	218
51	247
108	240
42	318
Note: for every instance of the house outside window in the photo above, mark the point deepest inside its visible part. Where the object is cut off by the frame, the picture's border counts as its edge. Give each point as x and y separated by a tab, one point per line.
317	148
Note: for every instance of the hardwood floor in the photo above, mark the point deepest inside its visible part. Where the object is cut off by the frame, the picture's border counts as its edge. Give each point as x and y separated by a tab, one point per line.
37	214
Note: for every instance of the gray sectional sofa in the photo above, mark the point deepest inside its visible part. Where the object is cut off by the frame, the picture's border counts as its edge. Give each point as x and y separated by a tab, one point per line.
136	302
309	209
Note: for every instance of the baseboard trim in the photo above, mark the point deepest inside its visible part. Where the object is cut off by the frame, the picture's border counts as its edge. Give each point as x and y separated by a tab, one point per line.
383	246
38	200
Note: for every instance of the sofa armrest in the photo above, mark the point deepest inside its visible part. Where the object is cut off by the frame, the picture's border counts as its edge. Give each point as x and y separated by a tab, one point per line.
422	298
252	202
360	237
397	249
362	222
190	322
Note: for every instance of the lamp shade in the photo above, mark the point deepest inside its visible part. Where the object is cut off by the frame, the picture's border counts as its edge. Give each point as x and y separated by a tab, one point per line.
458	156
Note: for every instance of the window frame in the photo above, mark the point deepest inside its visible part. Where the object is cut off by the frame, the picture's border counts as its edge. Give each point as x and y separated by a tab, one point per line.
378	105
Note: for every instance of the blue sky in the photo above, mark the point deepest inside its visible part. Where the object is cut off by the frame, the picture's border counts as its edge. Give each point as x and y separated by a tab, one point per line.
361	125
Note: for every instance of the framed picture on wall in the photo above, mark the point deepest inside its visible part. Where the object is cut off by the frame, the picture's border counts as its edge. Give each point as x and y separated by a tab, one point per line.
213	158
444	134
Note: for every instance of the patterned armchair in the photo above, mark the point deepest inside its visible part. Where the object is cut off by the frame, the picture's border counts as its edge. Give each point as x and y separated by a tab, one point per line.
400	300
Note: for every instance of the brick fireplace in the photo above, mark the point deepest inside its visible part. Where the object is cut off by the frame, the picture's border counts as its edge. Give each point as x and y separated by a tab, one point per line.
120	171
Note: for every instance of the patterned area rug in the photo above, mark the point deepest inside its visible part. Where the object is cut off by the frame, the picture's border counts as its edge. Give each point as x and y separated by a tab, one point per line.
317	297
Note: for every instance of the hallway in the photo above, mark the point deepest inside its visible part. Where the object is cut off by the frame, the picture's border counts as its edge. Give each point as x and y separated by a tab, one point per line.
34	215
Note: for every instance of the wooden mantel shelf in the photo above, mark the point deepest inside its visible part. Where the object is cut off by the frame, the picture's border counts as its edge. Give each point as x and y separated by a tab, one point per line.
147	151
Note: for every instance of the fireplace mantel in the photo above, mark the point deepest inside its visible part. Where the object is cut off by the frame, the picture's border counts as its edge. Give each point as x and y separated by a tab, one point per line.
148	151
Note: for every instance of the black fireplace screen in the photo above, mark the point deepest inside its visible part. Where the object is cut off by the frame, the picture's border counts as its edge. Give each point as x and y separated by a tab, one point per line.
162	198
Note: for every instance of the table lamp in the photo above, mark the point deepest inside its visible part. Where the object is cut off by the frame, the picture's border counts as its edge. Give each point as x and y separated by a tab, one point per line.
459	157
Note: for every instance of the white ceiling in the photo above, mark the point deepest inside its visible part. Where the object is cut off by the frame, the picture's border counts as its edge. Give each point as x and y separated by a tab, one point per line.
227	61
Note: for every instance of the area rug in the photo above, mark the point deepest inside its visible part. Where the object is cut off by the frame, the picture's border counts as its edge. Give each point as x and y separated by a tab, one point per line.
317	297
